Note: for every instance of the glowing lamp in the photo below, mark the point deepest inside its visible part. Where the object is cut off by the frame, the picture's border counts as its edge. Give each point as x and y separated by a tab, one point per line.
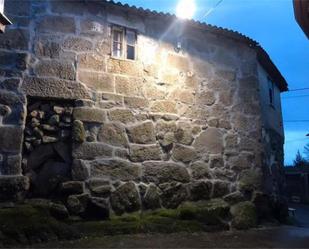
186	9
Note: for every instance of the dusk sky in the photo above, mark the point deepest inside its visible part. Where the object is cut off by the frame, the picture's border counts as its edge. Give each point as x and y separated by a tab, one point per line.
272	24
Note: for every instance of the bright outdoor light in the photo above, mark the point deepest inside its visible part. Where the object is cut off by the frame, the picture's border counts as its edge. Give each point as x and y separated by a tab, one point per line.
186	9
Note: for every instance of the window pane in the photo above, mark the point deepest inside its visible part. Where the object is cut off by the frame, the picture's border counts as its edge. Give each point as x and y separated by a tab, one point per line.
117	35
117	43
130	52
131	38
117	49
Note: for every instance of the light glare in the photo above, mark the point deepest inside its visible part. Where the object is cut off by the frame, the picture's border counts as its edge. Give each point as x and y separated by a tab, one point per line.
186	9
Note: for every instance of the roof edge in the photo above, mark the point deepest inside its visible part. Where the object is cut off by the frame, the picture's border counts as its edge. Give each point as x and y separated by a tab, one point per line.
262	55
4	20
266	62
301	12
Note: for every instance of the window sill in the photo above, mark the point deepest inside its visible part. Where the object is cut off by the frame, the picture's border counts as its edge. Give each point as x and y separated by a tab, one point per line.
121	59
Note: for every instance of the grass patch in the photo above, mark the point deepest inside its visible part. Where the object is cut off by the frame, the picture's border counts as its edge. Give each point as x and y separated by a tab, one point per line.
189	217
27	225
154	222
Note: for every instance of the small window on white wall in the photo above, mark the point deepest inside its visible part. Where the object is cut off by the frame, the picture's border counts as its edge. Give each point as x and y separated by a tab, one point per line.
271	92
123	43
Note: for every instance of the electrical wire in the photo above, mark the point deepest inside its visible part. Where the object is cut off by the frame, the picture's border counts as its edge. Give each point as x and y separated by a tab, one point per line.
212	8
299	89
295	140
295	121
295	97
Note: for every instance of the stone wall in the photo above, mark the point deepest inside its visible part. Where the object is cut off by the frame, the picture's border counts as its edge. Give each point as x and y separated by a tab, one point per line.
47	146
155	132
272	138
274	183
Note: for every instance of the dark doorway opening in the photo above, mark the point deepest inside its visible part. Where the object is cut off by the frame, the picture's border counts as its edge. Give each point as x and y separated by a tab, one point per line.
47	147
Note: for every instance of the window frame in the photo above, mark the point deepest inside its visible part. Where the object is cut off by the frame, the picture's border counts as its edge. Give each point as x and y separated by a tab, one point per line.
131	45
124	30
271	92
118	29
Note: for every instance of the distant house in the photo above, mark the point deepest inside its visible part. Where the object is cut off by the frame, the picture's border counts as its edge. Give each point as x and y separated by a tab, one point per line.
297	184
135	108
301	9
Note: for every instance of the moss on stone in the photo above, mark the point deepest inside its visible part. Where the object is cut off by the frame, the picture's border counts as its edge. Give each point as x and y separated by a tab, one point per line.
211	212
110	227
127	217
160	221
27	224
189	217
244	215
250	180
168	213
158	224
78	132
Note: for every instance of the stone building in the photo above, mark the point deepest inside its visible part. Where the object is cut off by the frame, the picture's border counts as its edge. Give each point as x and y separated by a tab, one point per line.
132	109
297	184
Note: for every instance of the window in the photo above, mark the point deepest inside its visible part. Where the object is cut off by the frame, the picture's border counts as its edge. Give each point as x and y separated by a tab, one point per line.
131	40
271	91
123	43
117	42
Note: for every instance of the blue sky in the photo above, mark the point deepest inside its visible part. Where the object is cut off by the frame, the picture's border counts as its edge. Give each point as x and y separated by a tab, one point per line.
272	24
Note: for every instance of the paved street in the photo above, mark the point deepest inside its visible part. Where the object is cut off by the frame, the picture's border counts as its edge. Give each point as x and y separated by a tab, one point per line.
283	237
302	214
